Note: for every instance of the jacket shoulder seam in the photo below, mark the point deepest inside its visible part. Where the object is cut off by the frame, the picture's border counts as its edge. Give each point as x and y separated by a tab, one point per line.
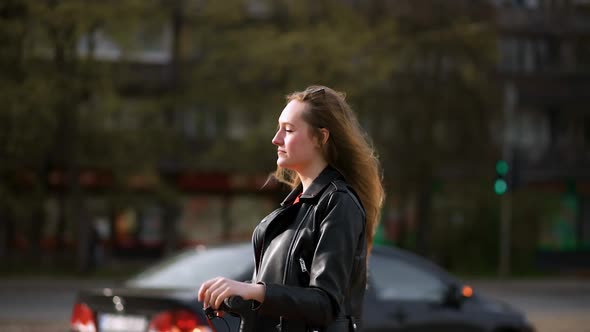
340	186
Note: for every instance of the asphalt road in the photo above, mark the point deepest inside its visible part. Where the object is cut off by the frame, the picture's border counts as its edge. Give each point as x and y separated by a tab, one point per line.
564	295
42	300
40	304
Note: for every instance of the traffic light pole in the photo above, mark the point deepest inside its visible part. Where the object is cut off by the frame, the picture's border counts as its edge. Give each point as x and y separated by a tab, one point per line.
505	223
510	99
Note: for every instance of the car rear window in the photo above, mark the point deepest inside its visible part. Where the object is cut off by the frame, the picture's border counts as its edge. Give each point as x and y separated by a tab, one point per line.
191	268
395	279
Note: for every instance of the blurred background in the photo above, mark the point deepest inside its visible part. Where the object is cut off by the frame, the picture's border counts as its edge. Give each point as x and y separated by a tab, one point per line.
132	129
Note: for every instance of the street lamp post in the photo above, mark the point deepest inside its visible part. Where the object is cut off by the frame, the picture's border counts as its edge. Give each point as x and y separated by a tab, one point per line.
510	100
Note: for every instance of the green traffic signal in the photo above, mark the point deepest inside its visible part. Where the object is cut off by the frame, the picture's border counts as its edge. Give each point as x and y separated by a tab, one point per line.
502	167
500	186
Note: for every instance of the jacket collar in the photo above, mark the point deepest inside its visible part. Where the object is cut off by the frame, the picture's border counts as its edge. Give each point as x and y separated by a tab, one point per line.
318	185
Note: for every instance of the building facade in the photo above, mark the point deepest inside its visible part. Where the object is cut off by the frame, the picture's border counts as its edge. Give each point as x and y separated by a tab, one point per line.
545	60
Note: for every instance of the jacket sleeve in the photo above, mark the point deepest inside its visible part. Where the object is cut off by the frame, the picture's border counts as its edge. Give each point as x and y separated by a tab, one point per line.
340	229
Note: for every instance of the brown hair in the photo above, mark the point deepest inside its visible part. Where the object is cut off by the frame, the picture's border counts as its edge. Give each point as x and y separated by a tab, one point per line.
348	149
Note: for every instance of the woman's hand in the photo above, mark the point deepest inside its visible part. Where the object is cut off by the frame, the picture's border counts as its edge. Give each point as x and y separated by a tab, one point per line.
214	291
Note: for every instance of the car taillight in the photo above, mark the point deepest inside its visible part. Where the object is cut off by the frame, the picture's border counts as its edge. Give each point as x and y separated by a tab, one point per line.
178	320
467	291
82	319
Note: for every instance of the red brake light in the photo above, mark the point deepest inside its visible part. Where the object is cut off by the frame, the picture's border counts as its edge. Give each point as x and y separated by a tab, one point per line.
82	319
179	320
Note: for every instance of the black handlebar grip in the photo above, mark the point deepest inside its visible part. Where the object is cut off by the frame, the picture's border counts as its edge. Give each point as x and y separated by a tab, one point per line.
238	306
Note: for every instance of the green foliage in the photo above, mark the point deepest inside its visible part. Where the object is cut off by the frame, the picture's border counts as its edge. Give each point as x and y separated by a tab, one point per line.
63	107
465	231
416	72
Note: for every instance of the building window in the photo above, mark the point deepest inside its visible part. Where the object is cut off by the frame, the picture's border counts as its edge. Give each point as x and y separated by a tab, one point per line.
151	44
557	125
509	54
532	132
587	132
238	124
585	222
582	52
211	124
528	4
529	59
189	123
530	54
553	52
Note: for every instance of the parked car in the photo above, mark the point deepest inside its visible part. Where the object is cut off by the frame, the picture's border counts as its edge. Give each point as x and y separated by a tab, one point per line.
405	293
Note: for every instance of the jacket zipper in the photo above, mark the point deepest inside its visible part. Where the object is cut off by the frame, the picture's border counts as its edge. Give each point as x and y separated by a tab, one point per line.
288	266
302	264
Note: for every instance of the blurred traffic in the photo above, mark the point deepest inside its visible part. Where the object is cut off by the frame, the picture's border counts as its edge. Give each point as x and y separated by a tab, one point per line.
405	293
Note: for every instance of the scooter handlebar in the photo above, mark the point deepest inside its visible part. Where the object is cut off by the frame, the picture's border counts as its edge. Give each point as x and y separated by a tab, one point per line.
238	306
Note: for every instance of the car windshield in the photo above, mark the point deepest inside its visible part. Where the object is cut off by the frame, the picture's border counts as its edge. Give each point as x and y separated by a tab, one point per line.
396	279
192	267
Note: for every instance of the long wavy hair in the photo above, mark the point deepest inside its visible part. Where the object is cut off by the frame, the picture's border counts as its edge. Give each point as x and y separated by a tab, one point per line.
348	149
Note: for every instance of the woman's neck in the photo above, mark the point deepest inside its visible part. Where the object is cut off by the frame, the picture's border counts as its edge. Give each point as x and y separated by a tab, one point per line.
311	173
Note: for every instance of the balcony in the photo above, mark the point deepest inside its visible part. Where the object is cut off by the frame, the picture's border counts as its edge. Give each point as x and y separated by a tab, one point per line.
558	163
543	21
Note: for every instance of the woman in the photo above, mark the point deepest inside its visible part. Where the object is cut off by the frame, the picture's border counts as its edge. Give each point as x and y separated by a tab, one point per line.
311	253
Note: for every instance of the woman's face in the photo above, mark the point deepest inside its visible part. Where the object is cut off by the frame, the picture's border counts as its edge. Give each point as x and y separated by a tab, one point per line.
296	148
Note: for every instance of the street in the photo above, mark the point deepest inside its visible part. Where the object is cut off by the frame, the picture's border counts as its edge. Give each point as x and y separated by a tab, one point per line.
552	305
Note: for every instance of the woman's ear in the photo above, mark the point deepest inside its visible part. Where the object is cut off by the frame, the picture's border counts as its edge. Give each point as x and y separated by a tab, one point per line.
324	136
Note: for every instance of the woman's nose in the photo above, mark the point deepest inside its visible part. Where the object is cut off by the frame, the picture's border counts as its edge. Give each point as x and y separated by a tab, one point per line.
277	139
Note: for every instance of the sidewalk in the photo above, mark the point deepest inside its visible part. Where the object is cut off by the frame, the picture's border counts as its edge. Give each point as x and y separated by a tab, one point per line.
20	326
552	305
560	322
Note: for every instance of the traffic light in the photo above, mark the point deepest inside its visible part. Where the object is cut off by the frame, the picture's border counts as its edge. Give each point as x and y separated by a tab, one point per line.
501	184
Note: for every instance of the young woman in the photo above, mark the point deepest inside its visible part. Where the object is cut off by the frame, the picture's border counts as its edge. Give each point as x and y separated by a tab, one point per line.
311	253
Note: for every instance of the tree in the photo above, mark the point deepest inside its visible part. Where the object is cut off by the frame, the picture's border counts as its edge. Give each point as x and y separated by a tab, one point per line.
64	107
417	72
441	99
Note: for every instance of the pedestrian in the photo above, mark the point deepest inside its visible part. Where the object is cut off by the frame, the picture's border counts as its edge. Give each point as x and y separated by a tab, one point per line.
311	253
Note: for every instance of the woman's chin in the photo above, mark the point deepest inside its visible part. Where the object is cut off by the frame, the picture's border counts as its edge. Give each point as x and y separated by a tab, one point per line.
283	164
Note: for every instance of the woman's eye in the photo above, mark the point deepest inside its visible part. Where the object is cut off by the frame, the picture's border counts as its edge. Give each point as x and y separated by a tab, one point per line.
289	130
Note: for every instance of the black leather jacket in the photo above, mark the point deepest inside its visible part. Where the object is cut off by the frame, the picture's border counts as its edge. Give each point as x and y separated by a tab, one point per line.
311	256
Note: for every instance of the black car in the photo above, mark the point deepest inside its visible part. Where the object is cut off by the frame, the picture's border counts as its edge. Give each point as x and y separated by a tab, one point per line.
405	293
